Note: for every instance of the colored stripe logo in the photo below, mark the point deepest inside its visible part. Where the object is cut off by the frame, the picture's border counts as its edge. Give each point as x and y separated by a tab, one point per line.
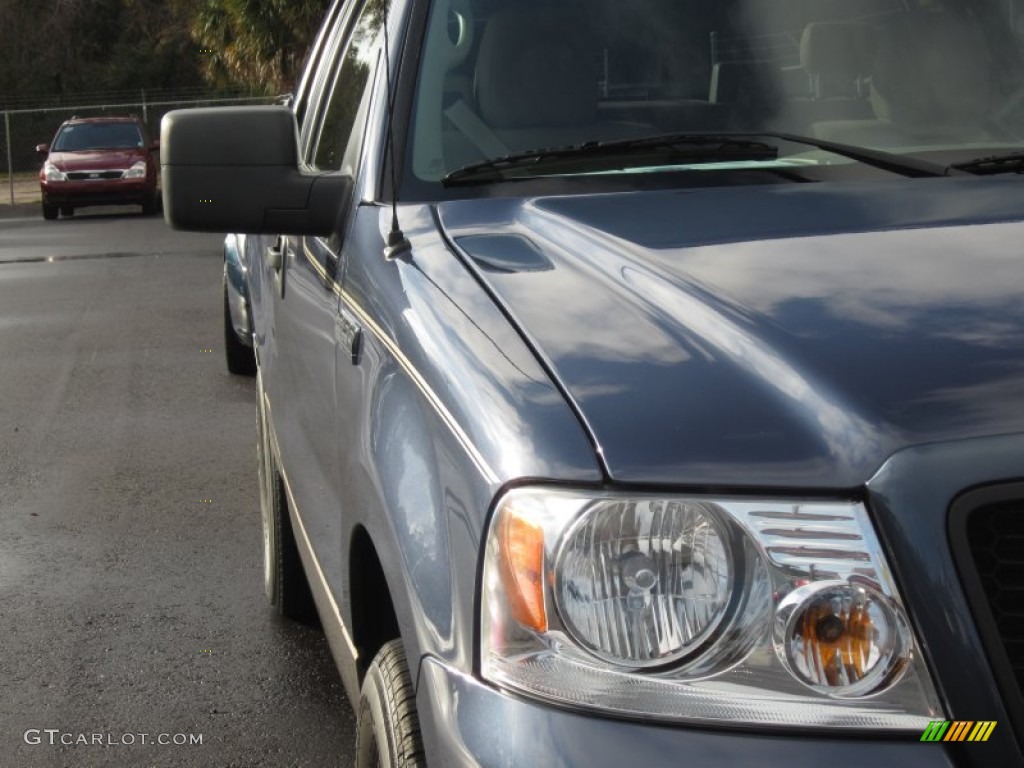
958	730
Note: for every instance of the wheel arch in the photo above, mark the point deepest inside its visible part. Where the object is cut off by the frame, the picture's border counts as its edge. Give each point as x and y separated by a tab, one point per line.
374	618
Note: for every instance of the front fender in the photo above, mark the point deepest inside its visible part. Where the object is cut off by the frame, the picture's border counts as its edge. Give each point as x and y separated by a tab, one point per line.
235	273
424	520
443	405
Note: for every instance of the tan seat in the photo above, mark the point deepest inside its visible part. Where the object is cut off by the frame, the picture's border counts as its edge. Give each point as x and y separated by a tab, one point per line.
838	57
536	80
750	90
930	84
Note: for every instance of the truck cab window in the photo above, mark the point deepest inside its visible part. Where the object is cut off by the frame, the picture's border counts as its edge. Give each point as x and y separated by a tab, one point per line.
338	141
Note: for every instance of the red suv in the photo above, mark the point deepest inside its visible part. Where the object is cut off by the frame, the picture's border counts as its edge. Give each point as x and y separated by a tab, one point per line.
99	161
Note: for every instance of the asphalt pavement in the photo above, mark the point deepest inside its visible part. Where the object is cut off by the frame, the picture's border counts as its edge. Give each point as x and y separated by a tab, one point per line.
133	627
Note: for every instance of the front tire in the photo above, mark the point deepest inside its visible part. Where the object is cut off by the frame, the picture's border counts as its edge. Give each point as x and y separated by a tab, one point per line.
50	212
284	579
388	730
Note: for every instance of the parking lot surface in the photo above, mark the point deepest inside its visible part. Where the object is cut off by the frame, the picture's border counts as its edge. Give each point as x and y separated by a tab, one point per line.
135	630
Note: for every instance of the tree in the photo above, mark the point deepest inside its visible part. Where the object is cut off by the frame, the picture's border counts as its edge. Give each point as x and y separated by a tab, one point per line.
256	43
64	47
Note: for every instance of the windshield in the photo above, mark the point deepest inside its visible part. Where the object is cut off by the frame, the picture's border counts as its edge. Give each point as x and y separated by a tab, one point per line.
80	137
939	78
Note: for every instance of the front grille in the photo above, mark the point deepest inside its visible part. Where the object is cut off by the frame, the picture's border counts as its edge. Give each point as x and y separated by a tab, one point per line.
995	535
94	175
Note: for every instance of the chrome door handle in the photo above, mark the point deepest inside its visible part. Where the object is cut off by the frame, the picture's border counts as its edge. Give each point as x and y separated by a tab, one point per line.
275	255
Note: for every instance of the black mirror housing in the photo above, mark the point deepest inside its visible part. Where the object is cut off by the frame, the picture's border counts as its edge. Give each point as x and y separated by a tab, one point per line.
236	169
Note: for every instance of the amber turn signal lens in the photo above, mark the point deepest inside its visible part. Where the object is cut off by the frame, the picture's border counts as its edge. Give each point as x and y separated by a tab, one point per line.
842	639
521	544
837	640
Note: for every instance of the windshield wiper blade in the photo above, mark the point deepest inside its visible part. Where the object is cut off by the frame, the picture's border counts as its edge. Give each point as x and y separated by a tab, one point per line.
887	161
674	148
1012	162
696	148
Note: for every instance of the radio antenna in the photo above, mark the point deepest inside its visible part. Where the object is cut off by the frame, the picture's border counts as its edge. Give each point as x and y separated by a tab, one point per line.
397	241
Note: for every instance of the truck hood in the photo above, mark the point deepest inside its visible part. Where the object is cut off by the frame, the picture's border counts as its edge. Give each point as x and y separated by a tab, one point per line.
767	336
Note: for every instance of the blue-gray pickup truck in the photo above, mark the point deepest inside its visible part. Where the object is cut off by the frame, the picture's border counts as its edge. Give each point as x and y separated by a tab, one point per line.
641	382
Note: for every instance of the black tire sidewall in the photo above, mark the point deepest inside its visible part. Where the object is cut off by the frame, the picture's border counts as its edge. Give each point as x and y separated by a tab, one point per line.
285	582
387	716
372	732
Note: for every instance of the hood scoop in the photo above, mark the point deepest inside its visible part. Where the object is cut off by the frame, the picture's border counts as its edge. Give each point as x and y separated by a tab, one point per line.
504	253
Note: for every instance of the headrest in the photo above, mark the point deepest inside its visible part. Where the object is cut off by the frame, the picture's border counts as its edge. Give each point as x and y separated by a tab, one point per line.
747	82
837	48
536	68
932	74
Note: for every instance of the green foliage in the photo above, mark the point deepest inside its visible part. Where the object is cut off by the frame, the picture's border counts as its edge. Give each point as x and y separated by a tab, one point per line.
257	43
63	47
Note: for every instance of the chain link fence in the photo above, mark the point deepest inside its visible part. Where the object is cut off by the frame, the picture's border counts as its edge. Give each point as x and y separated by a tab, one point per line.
21	130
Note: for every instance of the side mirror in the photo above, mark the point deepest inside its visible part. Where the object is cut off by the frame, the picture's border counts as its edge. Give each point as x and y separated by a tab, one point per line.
236	169
42	149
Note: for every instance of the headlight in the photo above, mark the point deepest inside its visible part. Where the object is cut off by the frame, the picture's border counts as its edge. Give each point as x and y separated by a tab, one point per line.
699	609
643	584
51	172
137	171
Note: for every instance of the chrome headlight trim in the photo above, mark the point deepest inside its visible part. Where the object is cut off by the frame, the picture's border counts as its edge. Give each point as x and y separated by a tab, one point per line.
742	671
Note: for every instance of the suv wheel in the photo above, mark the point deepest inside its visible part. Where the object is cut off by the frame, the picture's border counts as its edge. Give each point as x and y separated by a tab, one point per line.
149	206
283	577
50	212
388	731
